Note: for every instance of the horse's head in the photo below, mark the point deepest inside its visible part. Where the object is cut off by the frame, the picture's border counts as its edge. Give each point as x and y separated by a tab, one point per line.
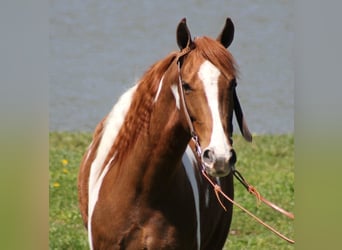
208	78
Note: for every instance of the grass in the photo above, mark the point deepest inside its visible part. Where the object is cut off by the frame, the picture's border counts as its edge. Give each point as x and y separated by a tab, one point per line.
267	163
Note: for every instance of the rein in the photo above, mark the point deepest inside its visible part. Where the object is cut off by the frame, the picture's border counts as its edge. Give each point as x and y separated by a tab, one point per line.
237	174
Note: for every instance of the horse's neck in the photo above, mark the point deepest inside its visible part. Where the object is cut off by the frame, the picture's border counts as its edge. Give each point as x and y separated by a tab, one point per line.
158	150
168	127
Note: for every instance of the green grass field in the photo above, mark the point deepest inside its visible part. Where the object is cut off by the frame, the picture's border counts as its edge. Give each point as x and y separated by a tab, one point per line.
267	163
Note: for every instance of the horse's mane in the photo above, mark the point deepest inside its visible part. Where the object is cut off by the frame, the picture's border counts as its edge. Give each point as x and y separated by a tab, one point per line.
217	54
138	116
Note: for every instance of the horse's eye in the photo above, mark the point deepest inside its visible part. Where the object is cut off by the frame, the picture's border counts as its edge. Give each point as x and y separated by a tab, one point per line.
186	87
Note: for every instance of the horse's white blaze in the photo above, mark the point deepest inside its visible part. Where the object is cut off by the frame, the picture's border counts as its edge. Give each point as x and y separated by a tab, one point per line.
188	161
209	75
174	90
111	128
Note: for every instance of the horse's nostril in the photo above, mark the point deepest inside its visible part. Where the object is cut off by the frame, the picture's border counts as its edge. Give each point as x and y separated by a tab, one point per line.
208	156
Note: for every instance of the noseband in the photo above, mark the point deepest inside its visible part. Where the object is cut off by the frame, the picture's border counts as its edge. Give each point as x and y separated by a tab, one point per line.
236	173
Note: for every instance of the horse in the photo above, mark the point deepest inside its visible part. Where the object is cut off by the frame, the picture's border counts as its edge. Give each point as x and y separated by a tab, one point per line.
139	183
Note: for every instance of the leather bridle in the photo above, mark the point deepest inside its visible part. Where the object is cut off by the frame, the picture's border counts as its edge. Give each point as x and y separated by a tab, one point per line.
236	173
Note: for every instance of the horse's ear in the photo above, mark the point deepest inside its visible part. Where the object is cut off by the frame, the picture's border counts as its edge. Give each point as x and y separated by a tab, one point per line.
227	34
183	35
240	118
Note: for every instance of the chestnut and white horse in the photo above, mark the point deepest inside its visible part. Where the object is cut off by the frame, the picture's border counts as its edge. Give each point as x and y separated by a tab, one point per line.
139	182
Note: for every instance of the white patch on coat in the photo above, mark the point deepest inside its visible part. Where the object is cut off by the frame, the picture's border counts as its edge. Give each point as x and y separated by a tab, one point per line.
112	125
207	197
159	90
175	93
188	161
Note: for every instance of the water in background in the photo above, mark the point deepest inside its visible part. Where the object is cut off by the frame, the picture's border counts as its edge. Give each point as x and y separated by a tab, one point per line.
98	49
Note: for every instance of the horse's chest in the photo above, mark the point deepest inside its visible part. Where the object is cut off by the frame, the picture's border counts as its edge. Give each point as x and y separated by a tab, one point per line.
169	227
157	233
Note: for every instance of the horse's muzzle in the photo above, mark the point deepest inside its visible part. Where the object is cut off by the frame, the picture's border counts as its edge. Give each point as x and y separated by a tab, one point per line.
218	165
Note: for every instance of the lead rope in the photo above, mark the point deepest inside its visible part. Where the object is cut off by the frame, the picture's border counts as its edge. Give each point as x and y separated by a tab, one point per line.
250	188
253	191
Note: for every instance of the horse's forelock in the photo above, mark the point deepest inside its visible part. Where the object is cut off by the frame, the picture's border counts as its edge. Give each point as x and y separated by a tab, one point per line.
218	55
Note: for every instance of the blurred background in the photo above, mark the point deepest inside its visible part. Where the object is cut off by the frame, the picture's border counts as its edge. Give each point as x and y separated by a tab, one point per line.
98	49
